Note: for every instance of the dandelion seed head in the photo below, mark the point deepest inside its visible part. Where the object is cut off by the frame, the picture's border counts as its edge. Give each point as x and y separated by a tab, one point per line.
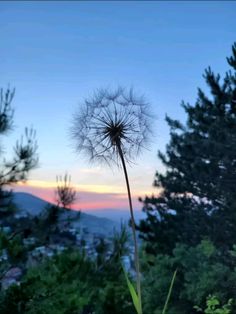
109	121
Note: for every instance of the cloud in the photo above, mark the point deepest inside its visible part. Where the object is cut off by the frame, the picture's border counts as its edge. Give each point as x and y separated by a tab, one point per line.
119	191
96	170
90	196
87	200
96	188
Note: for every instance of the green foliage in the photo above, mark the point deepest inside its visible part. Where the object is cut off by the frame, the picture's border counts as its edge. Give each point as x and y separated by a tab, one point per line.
56	286
133	294
48	220
213	306
120	239
14	247
201	272
50	223
70	283
114	298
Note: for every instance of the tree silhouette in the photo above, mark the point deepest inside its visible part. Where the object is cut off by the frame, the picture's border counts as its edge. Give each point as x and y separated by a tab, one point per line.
199	185
25	156
65	193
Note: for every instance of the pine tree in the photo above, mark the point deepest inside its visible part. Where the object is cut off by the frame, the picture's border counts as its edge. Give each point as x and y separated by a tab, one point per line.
25	152
199	185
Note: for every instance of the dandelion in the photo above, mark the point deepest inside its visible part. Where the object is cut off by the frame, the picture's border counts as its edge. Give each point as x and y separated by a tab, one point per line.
113	127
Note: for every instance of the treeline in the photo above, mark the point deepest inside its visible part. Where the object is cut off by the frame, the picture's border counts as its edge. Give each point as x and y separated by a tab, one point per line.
191	224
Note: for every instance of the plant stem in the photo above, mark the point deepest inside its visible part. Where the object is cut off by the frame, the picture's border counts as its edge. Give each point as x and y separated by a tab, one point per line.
136	256
169	292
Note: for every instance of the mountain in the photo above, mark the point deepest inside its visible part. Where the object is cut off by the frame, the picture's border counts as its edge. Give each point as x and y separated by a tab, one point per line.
29	203
33	205
119	214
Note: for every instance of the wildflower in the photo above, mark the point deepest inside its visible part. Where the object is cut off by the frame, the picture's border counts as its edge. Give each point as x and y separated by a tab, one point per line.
113	127
110	123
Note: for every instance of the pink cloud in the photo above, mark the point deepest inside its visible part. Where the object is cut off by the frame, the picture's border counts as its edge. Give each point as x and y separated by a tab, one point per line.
86	200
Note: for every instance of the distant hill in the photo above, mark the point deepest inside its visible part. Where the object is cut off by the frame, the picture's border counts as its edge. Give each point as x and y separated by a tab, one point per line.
33	205
119	214
29	203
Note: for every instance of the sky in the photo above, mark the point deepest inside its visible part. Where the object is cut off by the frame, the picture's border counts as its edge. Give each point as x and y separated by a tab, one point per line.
57	53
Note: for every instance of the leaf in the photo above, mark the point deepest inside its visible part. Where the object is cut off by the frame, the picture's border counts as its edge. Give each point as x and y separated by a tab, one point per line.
169	292
133	293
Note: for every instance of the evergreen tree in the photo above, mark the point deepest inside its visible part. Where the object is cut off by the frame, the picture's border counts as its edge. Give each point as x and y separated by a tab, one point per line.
65	193
199	185
25	152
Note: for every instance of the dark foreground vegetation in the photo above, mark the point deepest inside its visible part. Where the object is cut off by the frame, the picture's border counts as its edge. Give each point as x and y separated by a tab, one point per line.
190	226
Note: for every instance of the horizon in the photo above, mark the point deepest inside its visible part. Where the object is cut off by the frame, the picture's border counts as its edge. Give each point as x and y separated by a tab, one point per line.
90	206
118	215
56	54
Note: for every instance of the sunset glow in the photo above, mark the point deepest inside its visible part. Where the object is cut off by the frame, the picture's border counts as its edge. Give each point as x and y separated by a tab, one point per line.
55	58
90	197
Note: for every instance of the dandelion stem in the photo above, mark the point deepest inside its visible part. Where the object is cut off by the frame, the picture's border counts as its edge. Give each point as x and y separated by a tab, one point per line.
136	256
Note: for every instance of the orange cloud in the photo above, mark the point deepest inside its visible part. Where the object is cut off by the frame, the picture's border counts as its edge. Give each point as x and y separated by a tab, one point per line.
101	188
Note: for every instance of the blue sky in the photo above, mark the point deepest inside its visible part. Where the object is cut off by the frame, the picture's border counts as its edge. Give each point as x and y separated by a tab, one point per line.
57	53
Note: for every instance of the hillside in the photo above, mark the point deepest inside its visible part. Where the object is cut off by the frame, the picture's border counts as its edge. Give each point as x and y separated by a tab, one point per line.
33	205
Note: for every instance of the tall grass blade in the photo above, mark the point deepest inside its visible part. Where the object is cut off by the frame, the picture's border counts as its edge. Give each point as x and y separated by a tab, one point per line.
169	293
133	294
